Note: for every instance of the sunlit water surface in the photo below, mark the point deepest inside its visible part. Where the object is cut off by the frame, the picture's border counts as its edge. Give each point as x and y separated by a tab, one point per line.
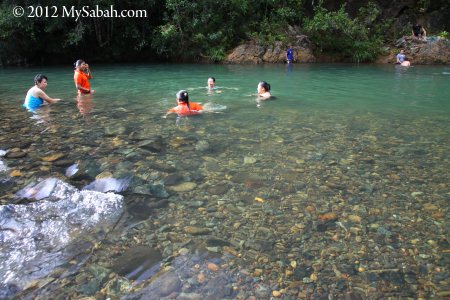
344	173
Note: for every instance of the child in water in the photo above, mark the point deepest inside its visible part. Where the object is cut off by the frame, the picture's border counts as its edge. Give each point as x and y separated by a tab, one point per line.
263	90
184	107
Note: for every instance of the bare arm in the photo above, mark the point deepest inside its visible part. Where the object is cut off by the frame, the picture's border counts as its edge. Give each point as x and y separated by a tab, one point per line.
264	96
46	98
170	111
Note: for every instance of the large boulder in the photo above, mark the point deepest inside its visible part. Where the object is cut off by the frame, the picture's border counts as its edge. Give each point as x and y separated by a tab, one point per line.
419	52
255	53
246	53
437	52
37	237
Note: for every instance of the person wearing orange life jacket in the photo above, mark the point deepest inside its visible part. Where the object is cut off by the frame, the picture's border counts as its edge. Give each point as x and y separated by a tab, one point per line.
81	77
184	107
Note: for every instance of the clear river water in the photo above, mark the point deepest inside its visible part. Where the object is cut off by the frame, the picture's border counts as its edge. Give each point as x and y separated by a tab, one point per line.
337	188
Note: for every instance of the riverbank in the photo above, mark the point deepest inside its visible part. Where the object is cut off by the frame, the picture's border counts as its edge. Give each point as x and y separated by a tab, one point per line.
433	51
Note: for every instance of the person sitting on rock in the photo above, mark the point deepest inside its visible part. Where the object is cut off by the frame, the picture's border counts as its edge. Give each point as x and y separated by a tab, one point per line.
401	57
419	32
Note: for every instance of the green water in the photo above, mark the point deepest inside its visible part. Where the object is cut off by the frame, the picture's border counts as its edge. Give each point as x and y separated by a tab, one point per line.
369	144
381	88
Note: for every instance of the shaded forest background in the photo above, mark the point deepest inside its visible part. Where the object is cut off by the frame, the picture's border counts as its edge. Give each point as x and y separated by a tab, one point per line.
206	30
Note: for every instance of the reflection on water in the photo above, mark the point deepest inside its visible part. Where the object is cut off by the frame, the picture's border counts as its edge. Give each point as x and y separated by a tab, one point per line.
338	188
85	104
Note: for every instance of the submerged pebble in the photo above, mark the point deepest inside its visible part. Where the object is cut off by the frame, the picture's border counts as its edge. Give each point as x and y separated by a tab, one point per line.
347	206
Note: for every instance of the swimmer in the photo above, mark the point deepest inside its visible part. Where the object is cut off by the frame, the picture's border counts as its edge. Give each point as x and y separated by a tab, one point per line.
185	107
211	83
212	88
36	97
81	77
263	90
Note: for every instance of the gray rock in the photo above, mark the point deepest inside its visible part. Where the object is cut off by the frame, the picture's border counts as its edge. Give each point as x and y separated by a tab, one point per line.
160	287
202	146
138	263
41	233
155	145
83	170
108	185
17	154
262	292
115	130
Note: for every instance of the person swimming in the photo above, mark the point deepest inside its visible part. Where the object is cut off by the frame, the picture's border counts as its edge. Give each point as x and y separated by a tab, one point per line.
36	97
263	90
211	83
184	107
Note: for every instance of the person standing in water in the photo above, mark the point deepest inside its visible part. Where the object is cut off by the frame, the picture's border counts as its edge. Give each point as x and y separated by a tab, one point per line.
36	97
290	55
81	77
184	107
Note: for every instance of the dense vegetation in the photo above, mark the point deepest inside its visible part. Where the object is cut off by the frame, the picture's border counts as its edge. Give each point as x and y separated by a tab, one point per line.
193	30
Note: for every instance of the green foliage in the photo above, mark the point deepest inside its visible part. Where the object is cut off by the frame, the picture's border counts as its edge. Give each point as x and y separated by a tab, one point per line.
44	38
216	54
189	29
443	34
269	34
335	32
423	5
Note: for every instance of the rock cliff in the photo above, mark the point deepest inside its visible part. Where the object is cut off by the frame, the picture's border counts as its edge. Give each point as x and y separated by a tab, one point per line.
432	51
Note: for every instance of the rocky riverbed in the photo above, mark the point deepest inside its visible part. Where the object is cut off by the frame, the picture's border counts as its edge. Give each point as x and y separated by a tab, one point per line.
318	206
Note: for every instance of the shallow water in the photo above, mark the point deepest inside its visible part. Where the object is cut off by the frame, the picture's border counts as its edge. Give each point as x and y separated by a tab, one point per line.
337	187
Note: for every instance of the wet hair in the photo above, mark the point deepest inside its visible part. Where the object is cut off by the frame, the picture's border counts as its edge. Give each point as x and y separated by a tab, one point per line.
264	85
183	97
78	63
213	79
39	77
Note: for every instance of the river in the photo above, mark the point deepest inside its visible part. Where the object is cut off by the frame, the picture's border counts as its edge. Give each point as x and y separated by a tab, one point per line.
338	187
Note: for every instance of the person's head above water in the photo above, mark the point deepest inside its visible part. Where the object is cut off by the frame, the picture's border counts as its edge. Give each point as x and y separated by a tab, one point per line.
211	82
183	96
263	90
40	81
263	85
39	77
